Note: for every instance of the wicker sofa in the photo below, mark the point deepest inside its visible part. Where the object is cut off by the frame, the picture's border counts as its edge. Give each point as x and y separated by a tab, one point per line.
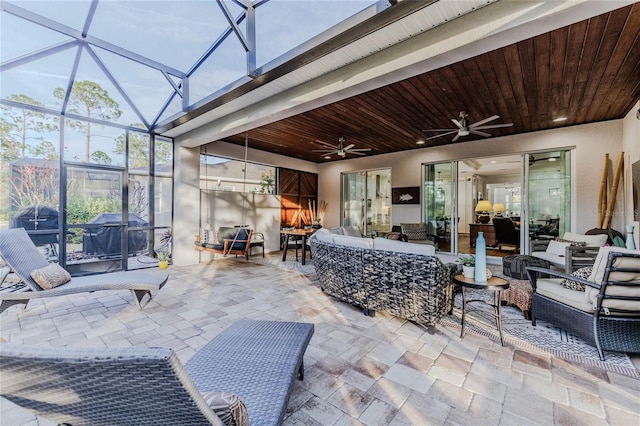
607	313
402	279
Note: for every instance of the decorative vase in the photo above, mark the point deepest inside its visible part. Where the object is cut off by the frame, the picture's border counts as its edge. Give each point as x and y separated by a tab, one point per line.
469	271
163	264
481	259
630	242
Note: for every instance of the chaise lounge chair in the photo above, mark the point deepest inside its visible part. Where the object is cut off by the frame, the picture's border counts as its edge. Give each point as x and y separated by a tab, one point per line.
243	376
23	257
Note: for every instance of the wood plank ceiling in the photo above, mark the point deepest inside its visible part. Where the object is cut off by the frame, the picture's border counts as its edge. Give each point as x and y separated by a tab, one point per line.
587	72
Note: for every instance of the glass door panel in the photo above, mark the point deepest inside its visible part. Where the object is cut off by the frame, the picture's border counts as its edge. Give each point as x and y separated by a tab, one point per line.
549	194
439	194
93	220
366	200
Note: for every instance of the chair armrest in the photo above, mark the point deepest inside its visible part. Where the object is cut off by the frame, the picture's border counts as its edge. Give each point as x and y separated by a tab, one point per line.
538	245
534	273
579	256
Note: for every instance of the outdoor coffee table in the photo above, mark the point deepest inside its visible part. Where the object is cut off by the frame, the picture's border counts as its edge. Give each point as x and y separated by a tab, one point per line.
494	284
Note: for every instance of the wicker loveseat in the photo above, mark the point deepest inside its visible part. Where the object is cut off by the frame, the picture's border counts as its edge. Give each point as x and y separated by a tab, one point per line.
403	279
607	313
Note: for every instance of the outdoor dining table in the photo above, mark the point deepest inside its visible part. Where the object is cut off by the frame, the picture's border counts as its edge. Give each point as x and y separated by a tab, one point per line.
304	233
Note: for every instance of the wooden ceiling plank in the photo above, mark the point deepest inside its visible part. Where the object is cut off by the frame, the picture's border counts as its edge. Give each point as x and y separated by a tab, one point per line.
499	67
542	47
494	87
575	42
624	38
557	66
605	49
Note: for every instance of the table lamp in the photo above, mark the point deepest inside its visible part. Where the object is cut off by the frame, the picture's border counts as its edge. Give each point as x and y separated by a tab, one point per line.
483	207
498	208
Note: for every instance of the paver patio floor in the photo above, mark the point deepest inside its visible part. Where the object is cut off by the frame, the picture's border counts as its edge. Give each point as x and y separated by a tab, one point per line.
359	370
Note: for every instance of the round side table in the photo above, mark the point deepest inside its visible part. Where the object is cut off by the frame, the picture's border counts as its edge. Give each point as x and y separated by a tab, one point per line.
494	284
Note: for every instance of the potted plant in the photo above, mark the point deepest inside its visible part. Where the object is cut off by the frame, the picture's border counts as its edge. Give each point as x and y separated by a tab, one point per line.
468	262
163	259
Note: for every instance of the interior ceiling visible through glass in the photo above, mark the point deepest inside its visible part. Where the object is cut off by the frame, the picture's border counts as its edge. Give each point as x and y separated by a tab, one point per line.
142	53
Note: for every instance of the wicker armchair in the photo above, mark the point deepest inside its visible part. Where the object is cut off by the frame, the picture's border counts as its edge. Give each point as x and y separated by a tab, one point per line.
607	313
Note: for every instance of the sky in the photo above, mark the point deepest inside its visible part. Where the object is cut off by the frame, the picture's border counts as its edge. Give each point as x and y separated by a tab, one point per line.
175	33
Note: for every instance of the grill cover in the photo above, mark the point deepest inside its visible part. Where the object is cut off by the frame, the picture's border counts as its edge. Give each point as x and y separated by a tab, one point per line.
106	241
35	219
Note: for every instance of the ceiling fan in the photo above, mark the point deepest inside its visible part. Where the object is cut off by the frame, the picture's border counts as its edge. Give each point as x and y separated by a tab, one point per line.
464	128
341	149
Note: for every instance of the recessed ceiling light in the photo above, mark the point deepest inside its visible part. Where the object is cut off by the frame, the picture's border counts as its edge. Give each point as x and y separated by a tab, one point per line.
559	119
327	157
493	161
420	143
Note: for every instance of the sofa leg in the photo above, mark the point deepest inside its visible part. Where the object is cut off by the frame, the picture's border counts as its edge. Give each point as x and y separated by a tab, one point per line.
369	312
301	371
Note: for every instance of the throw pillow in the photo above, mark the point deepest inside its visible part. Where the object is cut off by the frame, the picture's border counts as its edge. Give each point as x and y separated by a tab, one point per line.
228	407
572	243
580	273
50	276
557	248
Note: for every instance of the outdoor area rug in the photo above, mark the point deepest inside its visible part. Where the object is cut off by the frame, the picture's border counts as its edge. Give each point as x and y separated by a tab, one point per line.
517	330
545	337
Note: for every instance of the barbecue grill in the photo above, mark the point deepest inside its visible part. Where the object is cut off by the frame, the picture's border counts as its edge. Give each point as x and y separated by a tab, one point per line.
105	240
40	222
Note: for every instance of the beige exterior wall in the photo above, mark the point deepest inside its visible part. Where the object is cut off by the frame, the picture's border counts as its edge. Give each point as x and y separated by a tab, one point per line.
590	141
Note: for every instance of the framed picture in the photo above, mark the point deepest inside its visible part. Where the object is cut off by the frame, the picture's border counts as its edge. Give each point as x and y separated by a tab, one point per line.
406	195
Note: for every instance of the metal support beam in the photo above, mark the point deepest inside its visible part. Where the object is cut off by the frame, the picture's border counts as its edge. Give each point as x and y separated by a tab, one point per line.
119	88
251	41
72	78
43	53
68	31
233	25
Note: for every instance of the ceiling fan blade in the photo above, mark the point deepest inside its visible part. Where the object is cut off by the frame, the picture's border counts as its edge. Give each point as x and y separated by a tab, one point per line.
348	147
456	138
439	130
457	123
481	122
326	152
359	150
328	145
475	132
493	126
322	150
354	152
443	134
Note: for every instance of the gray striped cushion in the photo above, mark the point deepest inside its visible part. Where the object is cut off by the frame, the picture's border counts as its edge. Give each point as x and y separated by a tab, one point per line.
228	407
50	276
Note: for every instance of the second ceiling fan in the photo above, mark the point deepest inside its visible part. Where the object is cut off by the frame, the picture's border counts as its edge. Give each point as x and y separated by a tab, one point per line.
464	129
341	149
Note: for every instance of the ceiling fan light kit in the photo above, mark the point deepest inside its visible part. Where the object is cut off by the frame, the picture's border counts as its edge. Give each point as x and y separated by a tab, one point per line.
463	128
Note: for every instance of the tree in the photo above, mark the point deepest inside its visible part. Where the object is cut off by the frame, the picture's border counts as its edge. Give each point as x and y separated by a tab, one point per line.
100	157
21	125
90	100
139	149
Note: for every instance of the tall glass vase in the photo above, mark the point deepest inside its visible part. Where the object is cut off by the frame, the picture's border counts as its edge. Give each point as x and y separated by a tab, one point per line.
630	243
481	259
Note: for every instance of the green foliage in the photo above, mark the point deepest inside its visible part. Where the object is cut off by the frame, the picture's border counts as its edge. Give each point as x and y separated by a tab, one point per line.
80	210
267	183
88	99
100	157
467	260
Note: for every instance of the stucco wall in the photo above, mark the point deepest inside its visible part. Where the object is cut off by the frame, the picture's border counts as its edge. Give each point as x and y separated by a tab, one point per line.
631	146
591	142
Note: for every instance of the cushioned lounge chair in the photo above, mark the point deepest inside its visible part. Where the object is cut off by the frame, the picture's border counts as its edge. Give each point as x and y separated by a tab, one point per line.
23	257
255	361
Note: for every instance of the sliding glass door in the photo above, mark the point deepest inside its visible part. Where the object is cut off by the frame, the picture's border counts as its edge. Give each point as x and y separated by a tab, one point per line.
440	206
548	194
366	200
